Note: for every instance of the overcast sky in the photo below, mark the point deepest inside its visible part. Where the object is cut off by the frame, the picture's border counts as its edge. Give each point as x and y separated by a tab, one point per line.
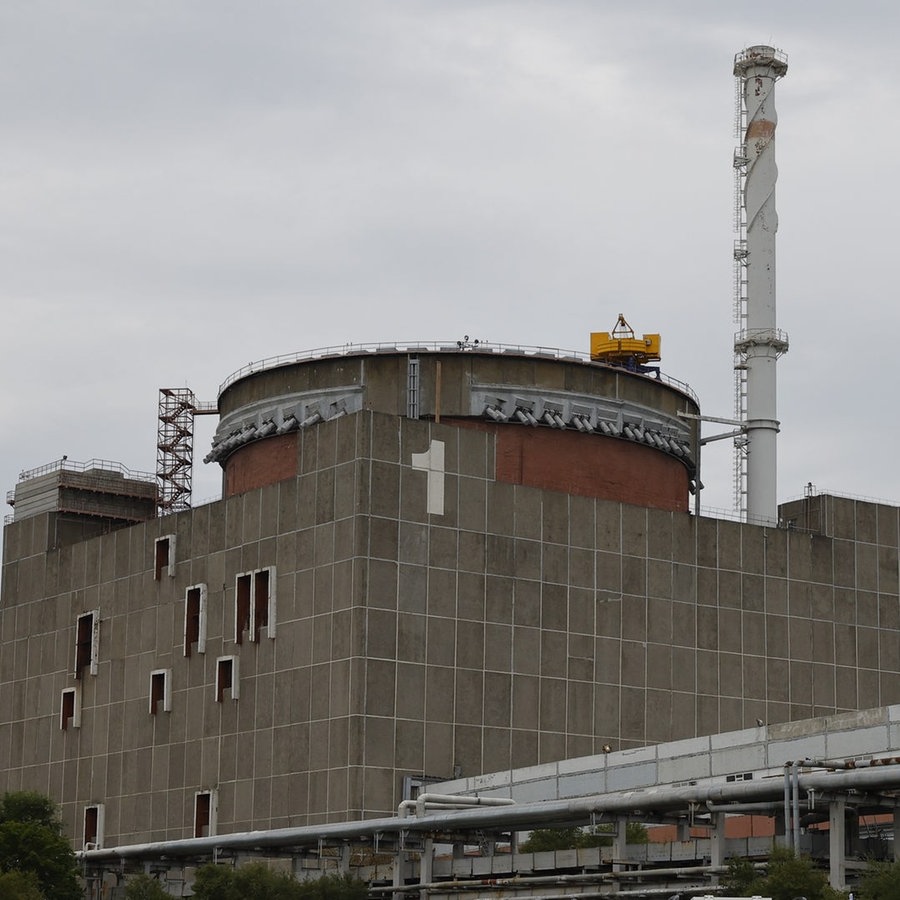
189	186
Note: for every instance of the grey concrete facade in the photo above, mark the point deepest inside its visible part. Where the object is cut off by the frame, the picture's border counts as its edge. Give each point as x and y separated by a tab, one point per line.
518	627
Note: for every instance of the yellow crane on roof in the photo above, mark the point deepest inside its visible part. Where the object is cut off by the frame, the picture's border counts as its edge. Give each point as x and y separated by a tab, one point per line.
620	347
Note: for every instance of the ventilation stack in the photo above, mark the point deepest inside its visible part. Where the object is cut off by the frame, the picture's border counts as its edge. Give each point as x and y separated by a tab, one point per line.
758	344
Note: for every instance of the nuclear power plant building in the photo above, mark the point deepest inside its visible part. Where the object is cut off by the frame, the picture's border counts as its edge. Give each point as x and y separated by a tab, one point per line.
428	563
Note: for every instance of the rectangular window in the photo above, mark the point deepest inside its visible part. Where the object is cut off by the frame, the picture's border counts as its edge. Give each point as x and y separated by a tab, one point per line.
263	603
254	607
87	643
93	827
242	606
70	709
164	557
160	691
204	813
195	619
227	678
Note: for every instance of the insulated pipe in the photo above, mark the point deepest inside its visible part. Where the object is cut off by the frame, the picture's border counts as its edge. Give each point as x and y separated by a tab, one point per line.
469	884
519	816
448	801
762	806
463	800
852	763
702	889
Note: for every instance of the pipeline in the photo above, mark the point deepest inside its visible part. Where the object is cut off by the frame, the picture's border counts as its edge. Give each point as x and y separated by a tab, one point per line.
523	816
516	880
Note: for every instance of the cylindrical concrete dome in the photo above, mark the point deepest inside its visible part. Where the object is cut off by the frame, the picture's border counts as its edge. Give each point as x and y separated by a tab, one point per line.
559	422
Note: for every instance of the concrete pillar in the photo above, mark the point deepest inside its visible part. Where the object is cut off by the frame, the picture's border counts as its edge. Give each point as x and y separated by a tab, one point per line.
717	839
619	840
837	838
345	859
426	864
401	865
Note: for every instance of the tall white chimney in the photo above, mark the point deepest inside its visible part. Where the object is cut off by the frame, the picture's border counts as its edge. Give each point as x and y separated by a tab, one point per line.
758	344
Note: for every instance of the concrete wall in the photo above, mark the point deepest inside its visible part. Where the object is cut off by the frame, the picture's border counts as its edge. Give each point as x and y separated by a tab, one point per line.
517	628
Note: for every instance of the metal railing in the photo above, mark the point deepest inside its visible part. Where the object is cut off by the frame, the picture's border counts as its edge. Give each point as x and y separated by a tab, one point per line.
483	347
69	465
842	495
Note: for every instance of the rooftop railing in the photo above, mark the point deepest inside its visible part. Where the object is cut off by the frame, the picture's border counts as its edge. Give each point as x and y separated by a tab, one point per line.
69	465
466	346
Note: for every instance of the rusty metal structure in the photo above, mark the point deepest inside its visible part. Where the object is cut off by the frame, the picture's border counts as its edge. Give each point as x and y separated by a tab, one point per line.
175	447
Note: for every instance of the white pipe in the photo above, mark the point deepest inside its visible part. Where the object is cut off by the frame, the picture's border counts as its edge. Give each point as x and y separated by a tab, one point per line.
448	801
514	817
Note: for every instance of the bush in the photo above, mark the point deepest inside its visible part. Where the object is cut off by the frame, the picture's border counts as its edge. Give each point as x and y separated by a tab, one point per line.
787	878
19	886
881	881
257	882
144	887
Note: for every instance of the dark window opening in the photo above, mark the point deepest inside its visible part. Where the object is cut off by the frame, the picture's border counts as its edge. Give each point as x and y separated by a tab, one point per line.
84	644
91	825
225	678
162	557
67	712
191	620
157	692
260	602
202	812
242	607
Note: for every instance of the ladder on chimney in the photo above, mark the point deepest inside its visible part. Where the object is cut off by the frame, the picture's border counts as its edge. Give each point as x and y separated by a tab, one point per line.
741	260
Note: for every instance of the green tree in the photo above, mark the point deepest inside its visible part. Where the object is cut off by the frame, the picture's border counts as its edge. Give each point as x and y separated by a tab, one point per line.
881	881
542	839
145	887
215	881
740	878
786	878
32	842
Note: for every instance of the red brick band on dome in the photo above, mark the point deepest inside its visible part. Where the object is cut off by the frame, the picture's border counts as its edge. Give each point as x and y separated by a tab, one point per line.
561	424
